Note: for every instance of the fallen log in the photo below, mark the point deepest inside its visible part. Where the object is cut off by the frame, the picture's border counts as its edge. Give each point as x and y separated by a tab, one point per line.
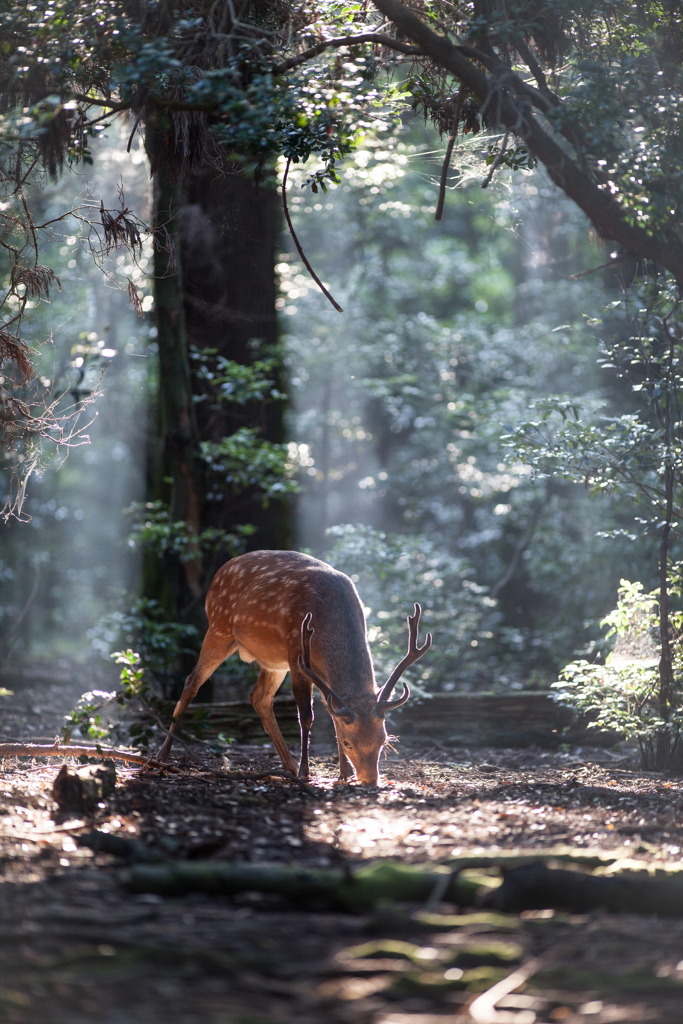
536	887
355	891
525	887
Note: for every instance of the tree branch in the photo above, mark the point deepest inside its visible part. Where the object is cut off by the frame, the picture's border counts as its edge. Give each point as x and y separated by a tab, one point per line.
378	38
520	547
598	205
297	243
69	750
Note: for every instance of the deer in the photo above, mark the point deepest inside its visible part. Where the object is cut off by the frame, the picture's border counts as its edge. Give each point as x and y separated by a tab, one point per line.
290	612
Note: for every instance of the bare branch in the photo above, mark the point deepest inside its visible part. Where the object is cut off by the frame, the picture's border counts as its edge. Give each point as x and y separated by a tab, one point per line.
297	243
69	750
377	38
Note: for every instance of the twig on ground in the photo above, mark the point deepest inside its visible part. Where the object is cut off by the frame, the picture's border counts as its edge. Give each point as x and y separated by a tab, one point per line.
248	775
68	750
483	1009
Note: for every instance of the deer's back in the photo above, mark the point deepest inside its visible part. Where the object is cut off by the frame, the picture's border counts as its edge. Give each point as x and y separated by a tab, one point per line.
262	597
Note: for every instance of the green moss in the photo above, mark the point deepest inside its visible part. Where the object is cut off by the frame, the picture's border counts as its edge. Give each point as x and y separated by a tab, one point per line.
436	983
481	978
487	953
449	922
637	979
382	948
433	983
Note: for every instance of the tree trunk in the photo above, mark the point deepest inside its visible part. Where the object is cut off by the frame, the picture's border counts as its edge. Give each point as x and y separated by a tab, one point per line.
175	471
230	227
663	739
214	259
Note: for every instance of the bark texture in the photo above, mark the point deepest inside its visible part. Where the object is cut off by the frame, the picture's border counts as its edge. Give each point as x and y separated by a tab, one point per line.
175	468
230	228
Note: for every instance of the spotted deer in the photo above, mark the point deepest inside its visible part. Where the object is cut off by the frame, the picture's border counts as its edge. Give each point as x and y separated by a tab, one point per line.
288	612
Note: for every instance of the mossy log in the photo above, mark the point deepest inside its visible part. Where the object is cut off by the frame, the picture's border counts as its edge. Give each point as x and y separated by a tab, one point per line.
536	887
351	891
526	887
463	719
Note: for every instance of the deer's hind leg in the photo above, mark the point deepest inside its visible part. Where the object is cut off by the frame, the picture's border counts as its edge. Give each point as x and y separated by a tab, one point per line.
215	650
261	697
302	689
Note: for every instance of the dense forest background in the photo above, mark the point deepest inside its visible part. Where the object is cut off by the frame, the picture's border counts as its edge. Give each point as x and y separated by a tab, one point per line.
397	420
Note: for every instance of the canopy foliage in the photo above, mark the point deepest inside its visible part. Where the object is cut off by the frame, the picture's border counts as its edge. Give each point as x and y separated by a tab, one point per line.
590	89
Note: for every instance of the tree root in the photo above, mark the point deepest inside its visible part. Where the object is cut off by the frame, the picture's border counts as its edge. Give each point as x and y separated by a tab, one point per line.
483	1009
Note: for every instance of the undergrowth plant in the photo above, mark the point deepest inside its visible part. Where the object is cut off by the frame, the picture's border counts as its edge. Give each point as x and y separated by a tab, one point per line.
624	694
136	714
638	455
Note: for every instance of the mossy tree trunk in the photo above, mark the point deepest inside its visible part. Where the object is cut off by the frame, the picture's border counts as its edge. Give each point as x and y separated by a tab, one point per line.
216	236
175	471
230	231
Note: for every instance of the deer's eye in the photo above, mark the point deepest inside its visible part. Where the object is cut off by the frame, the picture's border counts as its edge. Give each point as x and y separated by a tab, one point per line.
347	744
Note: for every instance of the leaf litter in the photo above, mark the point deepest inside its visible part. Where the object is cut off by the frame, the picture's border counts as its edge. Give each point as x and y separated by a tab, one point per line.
77	947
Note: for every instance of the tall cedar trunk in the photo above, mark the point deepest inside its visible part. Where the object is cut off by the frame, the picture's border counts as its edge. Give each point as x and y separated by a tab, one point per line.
174	466
175	470
230	227
664	742
664	747
214	267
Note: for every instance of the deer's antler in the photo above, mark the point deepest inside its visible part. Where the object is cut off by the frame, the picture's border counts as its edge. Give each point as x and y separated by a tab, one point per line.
384	704
304	660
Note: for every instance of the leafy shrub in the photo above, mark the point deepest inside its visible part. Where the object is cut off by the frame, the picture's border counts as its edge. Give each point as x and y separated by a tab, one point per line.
623	694
154	530
135	714
144	626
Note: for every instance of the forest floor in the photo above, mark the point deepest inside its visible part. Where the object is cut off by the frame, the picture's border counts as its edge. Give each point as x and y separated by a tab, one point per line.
77	947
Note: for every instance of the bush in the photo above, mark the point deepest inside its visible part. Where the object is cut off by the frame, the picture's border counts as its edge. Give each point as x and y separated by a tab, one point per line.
624	693
136	714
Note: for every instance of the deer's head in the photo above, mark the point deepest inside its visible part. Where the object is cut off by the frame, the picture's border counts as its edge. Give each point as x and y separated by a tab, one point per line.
360	726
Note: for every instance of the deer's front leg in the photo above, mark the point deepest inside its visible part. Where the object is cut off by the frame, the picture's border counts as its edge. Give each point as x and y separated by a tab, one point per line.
346	769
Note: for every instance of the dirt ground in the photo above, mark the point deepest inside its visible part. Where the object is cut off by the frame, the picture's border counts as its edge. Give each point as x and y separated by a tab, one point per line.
76	947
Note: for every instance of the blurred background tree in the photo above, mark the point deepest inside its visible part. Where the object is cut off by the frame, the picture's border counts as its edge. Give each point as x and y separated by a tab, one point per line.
401	407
